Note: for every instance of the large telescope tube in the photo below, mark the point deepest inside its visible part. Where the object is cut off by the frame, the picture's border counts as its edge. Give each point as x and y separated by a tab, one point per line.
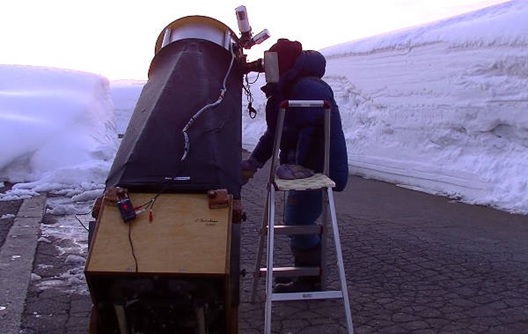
185	132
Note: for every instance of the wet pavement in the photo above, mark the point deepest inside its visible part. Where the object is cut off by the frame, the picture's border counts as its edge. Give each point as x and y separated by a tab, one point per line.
415	263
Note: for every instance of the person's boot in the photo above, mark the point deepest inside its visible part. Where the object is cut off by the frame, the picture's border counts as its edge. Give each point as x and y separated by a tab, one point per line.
303	258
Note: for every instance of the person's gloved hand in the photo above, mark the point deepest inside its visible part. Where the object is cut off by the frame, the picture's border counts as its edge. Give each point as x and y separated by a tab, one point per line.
292	172
249	168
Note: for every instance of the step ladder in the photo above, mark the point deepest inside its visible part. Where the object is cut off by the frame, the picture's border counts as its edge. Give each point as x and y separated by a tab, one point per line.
319	181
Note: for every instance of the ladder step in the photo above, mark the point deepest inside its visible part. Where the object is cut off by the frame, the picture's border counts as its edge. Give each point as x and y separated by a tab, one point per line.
292	271
310	295
297	229
314	182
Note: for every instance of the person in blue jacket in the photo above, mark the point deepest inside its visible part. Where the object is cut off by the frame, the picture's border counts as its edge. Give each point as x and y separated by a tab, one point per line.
301	73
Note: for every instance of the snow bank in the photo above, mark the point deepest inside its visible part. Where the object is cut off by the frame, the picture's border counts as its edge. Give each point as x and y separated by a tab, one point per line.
442	108
125	94
57	130
503	24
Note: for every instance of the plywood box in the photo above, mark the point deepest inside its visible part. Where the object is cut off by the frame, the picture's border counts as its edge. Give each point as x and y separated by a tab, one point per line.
184	236
165	273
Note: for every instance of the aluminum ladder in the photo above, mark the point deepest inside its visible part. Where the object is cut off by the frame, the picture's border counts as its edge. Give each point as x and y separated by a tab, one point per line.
269	229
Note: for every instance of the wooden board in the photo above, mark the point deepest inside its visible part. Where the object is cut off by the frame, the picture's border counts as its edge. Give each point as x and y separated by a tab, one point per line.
185	236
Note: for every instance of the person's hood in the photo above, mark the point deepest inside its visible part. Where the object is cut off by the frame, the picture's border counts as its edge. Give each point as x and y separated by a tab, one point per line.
309	63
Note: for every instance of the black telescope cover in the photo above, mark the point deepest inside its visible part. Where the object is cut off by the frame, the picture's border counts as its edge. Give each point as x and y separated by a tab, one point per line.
184	77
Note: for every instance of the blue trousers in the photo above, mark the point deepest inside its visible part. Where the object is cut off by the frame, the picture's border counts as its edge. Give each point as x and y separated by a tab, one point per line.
303	208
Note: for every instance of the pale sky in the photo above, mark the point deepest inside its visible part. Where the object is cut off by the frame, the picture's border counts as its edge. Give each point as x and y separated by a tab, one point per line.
115	38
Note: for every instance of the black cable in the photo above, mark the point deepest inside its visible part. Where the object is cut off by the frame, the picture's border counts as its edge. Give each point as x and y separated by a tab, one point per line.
80	222
249	96
147	205
132	246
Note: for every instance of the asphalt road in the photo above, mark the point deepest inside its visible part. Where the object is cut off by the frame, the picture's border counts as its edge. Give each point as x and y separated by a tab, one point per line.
415	263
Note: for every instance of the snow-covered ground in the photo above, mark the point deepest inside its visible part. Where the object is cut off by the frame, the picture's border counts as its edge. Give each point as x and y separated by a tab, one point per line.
441	108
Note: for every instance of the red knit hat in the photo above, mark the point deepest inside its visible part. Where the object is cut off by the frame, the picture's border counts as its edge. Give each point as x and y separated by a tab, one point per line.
287	52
